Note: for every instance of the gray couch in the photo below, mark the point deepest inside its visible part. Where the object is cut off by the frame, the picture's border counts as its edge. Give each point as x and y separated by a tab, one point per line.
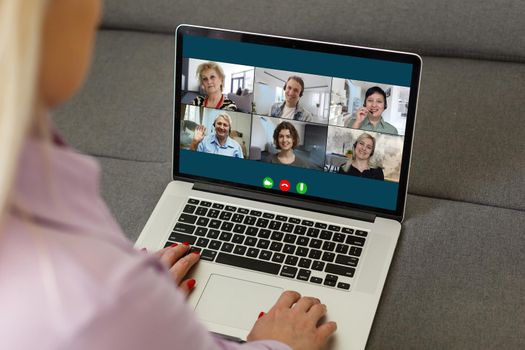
457	280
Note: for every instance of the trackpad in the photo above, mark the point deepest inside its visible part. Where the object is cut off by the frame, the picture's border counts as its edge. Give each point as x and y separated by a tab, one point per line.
235	303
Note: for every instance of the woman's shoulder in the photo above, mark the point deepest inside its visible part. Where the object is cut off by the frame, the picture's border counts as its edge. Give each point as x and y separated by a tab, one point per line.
228	105
198	101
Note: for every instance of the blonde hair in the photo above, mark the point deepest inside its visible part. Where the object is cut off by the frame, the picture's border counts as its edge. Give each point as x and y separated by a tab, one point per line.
226	117
210	65
20	33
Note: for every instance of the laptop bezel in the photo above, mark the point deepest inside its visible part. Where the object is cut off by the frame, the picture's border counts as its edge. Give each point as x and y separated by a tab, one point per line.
292	199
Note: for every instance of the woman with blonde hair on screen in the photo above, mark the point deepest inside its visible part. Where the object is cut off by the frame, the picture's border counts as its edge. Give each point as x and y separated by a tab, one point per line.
362	150
70	279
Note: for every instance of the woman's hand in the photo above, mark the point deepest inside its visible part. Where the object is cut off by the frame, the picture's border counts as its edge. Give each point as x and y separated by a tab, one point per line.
295	321
360	117
179	264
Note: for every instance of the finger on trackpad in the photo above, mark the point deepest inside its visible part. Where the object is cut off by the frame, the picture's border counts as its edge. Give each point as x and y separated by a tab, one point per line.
234	302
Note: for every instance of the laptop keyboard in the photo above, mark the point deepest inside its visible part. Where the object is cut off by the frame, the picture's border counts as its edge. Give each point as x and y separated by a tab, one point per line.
290	247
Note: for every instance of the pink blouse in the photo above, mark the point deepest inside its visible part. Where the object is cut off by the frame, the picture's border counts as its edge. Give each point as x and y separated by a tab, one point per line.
69	279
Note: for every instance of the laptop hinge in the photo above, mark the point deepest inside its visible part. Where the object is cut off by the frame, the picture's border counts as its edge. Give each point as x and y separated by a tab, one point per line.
288	202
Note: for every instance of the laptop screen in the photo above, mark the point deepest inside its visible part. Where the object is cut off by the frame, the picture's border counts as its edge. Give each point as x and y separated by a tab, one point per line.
316	121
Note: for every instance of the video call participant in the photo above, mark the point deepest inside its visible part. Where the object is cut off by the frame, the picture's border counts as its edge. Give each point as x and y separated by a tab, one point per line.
286	138
219	142
211	79
290	109
369	117
363	150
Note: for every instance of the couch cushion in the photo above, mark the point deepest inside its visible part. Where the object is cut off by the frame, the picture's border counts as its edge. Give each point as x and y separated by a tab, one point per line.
456	280
452	28
125	108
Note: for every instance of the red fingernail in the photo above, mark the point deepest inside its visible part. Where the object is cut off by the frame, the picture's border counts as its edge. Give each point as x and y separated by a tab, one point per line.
191	283
185	243
196	252
261	314
173	245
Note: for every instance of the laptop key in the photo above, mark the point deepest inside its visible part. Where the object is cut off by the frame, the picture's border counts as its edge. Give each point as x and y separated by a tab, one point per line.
208	255
239	228
201	231
181	238
215	245
202	242
334	228
301	251
261	222
353	240
330	246
329	257
281	218
226	226
214	223
202	222
206	204
231	208
277	236
274	225
263	233
307	223
355	251
320	225
240	249
201	211
187	218
225	236
289	238
343	285
346	260
361	233
291	260
348	230
252	264
243	210
189	209
278	257
315	254
340	270
294	220
193	201
303	241
227	247
225	215
339	237
213	214
313	232
213	234
276	246
265	255
252	252
300	230
327	235
263	244
217	206
316	243
256	213
289	271
250	241
318	265
250	220
268	216
238	218
305	263
289	249
330	280
304	275
287	227
238	239
184	228
317	280
251	231
341	248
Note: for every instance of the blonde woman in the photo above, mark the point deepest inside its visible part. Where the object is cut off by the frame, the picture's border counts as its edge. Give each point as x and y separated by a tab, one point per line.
69	277
211	78
362	150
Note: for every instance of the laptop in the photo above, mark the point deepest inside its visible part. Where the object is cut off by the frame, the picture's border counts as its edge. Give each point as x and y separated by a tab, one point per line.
295	178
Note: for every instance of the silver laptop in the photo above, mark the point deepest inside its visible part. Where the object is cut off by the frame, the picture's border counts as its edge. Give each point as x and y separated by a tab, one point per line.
294	179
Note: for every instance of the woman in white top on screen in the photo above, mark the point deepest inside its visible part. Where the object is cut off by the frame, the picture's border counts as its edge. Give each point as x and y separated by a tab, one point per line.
70	279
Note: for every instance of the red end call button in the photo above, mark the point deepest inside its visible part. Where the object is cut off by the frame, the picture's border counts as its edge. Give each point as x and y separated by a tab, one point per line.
284	185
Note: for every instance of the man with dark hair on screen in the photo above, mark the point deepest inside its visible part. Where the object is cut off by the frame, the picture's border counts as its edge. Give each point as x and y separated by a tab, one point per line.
290	109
